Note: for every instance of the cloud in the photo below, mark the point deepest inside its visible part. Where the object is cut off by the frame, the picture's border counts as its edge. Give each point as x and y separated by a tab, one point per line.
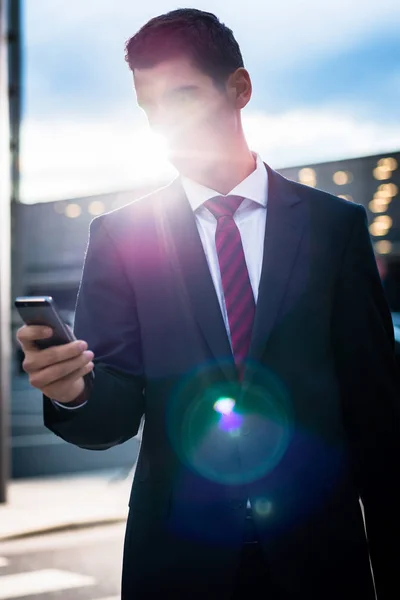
325	87
365	79
75	51
71	158
311	136
296	29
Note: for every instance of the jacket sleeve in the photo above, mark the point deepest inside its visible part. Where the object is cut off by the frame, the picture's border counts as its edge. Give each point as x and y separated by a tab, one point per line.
106	318
363	342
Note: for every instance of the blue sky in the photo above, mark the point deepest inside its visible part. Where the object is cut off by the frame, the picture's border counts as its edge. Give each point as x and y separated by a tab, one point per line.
326	83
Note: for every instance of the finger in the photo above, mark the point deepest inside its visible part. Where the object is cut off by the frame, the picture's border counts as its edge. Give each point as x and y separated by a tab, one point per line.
50	374
63	386
27	334
53	355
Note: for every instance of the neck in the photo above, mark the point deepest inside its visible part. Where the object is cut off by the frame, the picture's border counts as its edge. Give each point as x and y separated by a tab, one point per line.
225	171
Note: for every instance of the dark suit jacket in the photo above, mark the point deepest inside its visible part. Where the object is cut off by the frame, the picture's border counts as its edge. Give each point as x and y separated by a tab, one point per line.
317	422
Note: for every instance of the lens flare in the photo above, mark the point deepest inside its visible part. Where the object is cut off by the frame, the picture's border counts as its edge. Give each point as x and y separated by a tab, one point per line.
224	406
228	432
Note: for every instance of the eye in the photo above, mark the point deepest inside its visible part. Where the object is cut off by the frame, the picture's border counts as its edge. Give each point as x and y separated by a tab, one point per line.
183	96
191	94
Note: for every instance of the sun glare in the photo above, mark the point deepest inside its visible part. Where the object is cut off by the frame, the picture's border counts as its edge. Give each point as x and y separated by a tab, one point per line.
224	405
149	155
156	144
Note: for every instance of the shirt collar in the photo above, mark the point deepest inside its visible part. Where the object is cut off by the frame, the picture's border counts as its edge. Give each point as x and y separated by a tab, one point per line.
254	187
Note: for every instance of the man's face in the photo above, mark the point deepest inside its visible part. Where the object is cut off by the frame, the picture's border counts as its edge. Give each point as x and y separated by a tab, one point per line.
184	105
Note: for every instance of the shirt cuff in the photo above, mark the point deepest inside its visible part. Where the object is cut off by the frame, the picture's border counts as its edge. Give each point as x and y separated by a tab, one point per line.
70	405
82	399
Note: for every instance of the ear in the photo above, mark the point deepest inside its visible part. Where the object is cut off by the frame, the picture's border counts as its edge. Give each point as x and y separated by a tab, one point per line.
239	88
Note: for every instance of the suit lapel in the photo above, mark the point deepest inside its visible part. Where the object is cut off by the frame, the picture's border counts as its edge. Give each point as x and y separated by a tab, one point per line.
284	229
188	257
283	232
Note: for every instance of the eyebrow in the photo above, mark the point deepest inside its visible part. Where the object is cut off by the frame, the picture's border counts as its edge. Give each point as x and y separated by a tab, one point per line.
177	90
183	88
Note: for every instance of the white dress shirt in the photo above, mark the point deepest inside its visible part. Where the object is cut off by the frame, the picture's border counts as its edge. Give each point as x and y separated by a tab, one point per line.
250	219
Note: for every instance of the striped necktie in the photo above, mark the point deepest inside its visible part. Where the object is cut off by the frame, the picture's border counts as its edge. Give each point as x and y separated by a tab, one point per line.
239	299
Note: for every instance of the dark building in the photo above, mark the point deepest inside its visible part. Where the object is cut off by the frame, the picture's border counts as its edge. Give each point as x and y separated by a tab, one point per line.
374	182
50	242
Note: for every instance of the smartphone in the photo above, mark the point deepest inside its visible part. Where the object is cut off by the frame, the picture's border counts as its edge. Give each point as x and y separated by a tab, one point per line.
42	310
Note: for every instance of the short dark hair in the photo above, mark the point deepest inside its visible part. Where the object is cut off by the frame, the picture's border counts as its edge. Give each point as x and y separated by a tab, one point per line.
186	31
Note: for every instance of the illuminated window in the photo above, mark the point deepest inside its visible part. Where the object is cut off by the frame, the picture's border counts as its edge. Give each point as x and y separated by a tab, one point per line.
96	207
378	205
387	190
342	177
381	225
346	197
383	197
73	210
308	177
381	173
385	168
389	163
383	247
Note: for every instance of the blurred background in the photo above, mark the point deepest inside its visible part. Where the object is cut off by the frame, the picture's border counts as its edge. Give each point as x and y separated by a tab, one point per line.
325	112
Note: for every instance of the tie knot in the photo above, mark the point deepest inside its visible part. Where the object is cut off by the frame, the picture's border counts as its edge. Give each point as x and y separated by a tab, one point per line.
223	206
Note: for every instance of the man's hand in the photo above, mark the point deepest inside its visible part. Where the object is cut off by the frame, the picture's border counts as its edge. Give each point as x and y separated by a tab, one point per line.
57	371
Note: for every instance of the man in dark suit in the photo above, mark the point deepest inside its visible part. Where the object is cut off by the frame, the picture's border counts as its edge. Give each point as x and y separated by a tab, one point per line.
243	315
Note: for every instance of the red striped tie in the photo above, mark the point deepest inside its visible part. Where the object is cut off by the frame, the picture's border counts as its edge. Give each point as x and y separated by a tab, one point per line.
239	299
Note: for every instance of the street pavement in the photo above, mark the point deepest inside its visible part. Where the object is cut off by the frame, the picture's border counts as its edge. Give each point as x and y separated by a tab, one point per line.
41	505
74	565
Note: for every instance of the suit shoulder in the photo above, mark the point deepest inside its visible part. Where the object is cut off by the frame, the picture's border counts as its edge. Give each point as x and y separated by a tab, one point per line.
141	210
321	200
